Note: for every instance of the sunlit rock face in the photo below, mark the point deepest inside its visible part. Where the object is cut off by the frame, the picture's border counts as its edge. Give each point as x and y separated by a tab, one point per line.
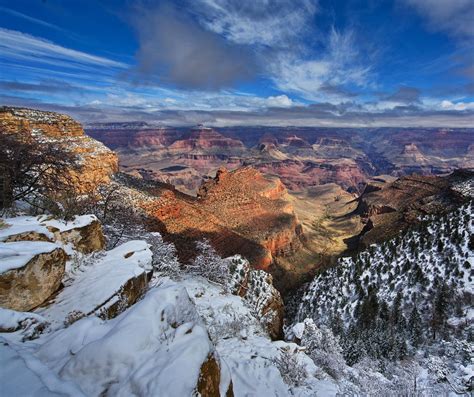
96	162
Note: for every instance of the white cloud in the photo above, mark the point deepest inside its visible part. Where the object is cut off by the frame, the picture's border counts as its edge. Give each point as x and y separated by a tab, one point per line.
22	47
338	66
268	23
279	101
448	105
453	16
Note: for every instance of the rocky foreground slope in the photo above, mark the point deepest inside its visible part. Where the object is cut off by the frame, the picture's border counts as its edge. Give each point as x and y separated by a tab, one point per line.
114	323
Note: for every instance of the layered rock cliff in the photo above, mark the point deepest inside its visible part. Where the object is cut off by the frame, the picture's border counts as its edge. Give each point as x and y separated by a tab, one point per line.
239	212
388	208
96	162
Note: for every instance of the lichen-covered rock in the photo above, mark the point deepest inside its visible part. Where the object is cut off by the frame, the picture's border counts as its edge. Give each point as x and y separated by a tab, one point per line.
30	272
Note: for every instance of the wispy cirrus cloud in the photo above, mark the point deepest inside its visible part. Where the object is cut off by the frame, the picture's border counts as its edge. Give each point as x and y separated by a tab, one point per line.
46	86
339	65
18	46
31	19
251	22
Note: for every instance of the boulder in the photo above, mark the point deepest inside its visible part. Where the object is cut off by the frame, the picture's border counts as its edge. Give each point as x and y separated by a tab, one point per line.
29	273
86	239
84	232
107	287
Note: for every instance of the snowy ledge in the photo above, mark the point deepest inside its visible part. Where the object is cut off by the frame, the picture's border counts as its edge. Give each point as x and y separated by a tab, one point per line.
43	225
17	254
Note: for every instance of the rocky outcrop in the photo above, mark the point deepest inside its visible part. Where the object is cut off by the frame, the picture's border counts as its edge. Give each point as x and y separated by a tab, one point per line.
84	232
33	261
256	288
394	206
85	239
51	124
209	378
96	162
239	212
114	282
254	206
30	273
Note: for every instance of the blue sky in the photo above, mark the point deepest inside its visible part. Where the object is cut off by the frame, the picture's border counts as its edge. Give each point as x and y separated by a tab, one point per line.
223	62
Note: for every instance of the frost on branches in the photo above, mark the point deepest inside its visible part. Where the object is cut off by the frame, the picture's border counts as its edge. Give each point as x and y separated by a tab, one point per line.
323	348
165	259
209	264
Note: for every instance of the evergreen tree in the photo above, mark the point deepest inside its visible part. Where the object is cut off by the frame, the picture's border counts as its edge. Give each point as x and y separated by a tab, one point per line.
440	309
416	328
337	325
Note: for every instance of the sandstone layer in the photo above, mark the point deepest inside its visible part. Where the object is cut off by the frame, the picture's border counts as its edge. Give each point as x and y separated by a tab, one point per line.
35	275
96	162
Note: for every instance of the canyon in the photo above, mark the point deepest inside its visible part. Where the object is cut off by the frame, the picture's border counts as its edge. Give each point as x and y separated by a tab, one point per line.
300	157
290	200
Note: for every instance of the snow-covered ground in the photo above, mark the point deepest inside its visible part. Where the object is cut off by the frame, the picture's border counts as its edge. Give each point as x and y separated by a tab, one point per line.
159	345
41	224
156	346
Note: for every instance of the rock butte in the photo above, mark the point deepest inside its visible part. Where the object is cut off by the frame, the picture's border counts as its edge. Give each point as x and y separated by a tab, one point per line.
98	162
239	212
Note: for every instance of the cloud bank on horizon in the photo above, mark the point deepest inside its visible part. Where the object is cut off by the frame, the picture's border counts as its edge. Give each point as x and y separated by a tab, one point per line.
227	62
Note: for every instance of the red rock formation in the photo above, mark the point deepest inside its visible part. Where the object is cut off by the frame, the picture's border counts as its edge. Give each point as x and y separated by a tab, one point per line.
151	138
297	174
203	138
97	162
239	212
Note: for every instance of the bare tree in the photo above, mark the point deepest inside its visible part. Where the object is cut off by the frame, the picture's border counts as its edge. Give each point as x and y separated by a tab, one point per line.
35	168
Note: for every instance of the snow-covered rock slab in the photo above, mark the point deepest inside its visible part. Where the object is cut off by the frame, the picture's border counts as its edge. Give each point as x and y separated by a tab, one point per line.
30	271
156	348
83	232
108	286
11	320
23	375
